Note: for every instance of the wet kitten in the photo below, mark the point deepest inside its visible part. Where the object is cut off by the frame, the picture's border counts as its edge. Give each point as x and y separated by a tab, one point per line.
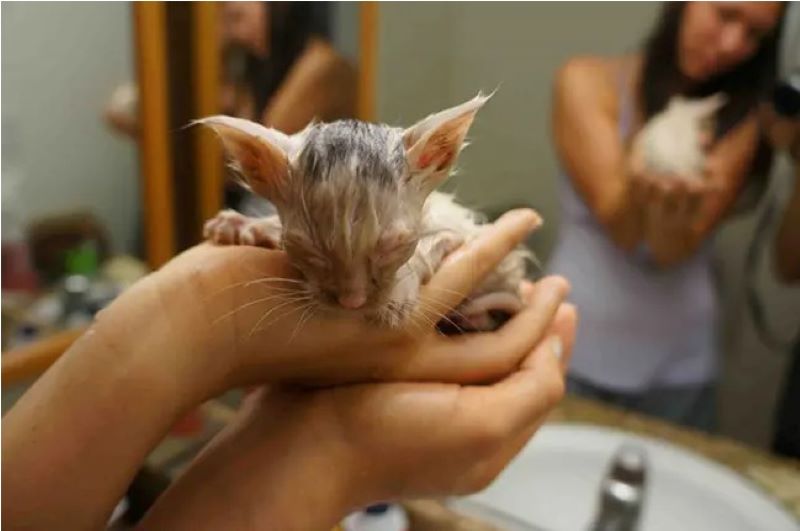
358	214
672	141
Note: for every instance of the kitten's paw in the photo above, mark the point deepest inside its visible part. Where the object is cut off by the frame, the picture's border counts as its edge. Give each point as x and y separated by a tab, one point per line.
261	233
224	228
432	252
446	243
232	228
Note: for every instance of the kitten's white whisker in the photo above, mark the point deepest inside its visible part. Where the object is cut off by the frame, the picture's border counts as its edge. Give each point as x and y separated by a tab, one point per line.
252	303
422	313
439	315
263	280
310	309
270	312
445	290
443	307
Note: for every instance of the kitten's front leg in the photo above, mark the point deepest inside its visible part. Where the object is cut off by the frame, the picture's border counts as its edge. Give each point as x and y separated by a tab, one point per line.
432	250
232	228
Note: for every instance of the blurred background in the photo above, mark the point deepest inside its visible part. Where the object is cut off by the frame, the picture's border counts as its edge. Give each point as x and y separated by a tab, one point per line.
102	182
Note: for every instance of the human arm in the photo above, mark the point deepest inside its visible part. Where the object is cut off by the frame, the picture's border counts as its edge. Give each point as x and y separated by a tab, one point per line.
300	460
80	433
320	85
586	135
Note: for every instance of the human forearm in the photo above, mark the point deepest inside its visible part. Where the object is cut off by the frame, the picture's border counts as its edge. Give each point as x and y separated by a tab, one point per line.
275	468
78	436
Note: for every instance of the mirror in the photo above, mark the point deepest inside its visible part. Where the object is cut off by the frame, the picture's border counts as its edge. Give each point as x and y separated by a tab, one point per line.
285	64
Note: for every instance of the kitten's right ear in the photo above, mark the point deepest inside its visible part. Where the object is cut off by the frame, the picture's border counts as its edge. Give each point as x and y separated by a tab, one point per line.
259	153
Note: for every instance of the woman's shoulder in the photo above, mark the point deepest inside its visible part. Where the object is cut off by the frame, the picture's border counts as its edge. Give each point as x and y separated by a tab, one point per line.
590	77
594	69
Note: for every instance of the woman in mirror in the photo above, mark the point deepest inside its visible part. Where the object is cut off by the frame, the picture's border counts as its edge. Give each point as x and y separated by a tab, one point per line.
281	70
636	244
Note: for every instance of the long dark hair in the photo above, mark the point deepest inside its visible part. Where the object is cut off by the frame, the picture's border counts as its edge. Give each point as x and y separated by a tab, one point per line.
744	85
291	26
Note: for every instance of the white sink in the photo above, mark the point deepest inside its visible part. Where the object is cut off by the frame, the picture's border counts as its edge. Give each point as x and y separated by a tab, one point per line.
553	485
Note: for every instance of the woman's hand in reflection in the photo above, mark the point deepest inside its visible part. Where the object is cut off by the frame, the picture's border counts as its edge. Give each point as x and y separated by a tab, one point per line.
302	459
672	202
674	207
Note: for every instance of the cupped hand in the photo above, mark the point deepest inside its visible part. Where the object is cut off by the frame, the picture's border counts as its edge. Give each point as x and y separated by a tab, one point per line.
670	200
235	307
301	459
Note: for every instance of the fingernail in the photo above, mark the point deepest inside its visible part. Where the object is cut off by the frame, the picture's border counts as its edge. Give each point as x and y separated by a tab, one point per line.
531	218
557	347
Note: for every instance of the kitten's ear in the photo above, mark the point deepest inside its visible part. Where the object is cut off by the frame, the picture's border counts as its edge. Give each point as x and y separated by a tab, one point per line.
432	145
259	153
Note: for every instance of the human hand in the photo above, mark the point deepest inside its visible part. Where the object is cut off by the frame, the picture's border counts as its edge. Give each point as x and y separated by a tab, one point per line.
298	459
669	202
231	313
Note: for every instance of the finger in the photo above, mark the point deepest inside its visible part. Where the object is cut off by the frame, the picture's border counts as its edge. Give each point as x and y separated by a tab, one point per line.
464	269
526	291
515	404
487	356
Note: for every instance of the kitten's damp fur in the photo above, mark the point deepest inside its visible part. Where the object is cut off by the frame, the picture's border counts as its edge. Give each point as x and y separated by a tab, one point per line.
358	213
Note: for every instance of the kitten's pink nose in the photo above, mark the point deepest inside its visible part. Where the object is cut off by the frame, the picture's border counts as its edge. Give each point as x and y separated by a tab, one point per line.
352	301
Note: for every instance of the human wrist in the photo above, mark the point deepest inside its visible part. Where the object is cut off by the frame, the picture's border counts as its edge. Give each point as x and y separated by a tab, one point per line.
276	466
146	328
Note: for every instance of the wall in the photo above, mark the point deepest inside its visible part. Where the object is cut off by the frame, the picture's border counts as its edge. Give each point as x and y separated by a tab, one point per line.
60	64
435	55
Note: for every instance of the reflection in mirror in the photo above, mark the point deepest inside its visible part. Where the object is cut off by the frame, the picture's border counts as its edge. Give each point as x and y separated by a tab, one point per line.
284	64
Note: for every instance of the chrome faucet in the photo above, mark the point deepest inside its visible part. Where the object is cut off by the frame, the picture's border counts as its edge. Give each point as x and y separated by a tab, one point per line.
622	491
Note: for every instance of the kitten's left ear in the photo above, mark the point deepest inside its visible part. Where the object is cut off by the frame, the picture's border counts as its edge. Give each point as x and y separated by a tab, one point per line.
432	145
260	153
